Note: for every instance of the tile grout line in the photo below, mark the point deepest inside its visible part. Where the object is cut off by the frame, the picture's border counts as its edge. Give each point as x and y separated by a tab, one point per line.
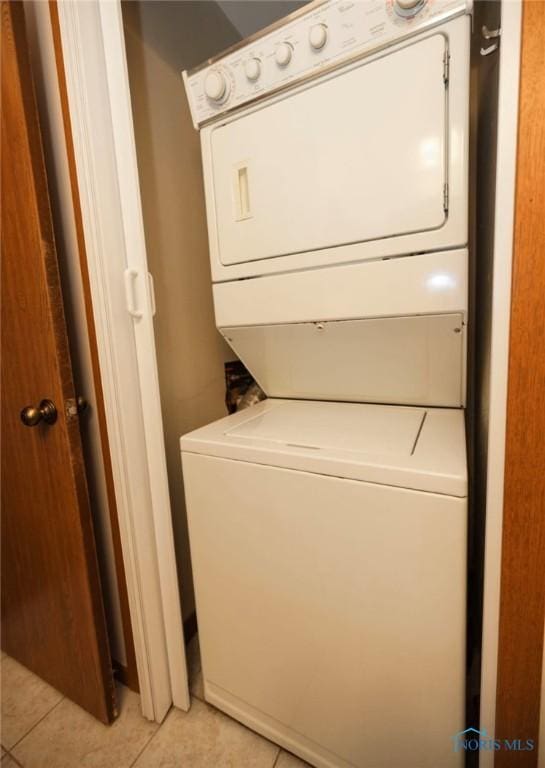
203	701
148	742
36	723
8	754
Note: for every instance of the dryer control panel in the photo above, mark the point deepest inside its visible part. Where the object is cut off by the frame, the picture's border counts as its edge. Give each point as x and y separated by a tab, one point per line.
319	37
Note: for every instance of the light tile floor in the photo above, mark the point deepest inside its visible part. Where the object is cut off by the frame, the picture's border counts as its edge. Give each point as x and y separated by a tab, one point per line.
42	729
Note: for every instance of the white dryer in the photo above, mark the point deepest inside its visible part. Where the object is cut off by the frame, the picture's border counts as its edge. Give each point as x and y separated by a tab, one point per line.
328	543
337	190
352	152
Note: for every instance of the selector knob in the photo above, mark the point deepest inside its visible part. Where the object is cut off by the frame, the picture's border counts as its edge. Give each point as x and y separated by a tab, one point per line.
283	54
252	69
408	8
317	36
215	85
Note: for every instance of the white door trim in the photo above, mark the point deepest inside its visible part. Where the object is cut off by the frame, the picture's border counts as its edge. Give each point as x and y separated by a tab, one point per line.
105	154
506	162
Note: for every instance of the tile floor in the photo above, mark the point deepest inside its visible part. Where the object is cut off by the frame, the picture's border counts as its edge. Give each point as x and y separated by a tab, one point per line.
42	729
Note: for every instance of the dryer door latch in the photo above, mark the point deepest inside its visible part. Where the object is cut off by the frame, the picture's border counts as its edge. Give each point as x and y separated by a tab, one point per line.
446	67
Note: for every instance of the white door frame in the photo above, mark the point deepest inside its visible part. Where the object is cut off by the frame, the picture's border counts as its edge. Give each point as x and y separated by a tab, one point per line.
506	161
123	307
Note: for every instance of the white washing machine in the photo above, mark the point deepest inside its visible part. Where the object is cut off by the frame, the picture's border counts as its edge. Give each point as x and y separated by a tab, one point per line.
328	543
328	524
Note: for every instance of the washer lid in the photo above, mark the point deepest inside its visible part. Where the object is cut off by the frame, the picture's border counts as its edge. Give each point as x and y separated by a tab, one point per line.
416	448
331	427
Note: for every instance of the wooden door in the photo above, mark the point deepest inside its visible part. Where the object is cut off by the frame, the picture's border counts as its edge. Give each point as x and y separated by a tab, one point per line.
522	600
52	612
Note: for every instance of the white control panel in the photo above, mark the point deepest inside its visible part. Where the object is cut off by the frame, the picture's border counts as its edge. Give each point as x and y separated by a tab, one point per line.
320	38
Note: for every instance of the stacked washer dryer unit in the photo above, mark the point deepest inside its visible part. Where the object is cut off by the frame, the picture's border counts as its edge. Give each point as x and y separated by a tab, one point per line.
328	523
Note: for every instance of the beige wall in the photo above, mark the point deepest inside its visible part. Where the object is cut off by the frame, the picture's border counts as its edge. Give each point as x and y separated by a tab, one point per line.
190	351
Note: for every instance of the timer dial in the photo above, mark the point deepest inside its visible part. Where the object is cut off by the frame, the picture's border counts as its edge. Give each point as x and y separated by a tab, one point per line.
216	86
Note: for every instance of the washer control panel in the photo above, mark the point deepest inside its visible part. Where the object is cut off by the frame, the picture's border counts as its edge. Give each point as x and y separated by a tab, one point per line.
326	35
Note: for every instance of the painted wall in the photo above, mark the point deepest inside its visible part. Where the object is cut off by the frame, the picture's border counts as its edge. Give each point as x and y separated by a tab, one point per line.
49	106
160	39
249	17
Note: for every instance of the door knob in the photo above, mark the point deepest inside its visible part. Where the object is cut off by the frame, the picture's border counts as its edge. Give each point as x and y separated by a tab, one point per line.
32	415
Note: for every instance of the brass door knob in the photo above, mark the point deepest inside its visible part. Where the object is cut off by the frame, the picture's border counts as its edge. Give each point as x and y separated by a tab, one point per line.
32	415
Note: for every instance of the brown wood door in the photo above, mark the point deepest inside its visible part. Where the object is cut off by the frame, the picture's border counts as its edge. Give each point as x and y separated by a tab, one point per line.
52	612
522	600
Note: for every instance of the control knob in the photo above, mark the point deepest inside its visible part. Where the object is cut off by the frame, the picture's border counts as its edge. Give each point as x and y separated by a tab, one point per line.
215	85
318	36
408	8
252	69
283	54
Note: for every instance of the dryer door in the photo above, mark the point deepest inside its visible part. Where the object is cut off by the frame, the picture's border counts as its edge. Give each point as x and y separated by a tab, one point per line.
360	156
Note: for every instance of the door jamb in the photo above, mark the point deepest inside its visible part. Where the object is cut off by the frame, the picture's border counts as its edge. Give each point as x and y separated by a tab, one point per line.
105	154
509	53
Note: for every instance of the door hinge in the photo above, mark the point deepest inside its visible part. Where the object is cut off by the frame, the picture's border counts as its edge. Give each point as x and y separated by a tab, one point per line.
446	67
445	197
